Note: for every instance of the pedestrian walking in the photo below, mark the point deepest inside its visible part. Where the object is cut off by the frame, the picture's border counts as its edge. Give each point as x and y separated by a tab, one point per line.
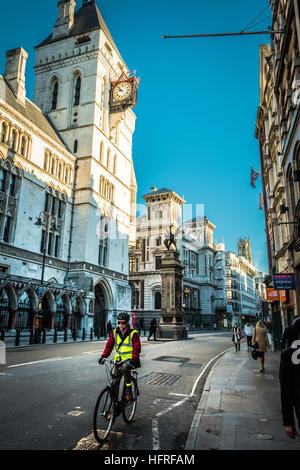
109	327
260	337
153	326
248	330
269	333
289	377
236	337
288	334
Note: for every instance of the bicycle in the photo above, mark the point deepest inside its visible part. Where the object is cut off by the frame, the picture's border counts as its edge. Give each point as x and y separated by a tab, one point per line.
108	407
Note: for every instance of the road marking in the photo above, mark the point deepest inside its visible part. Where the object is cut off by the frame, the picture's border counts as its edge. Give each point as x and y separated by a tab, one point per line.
40	362
195	424
155	431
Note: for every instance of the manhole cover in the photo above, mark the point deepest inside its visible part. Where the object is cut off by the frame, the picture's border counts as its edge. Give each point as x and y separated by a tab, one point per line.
161	379
263	437
172	359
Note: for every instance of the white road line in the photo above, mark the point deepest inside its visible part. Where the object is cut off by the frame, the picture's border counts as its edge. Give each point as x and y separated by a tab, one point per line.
155	431
40	362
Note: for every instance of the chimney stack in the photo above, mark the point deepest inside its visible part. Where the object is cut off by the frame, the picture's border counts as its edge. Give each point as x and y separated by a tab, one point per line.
15	72
65	19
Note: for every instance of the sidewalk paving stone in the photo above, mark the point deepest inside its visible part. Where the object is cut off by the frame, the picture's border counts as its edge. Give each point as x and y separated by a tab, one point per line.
240	408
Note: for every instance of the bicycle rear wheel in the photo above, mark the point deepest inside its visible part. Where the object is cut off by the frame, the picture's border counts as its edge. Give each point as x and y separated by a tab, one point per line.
129	408
104	415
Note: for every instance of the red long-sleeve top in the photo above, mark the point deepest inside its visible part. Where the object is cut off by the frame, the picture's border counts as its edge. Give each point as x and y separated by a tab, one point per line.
136	344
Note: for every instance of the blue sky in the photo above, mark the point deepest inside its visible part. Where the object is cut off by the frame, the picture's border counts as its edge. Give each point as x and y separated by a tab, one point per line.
198	99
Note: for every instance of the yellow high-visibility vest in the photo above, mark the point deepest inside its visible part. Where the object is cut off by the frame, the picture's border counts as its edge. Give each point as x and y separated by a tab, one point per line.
125	350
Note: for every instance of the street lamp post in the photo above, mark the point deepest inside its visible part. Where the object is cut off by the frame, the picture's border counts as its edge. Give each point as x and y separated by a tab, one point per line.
47	221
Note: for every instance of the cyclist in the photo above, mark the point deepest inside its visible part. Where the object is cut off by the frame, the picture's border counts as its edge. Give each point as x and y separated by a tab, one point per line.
128	347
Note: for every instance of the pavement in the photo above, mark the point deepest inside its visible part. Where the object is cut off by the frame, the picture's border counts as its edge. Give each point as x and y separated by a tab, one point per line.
240	407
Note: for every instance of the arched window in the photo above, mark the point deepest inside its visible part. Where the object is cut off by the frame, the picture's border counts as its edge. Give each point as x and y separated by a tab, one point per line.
13	140
52	166
115	164
54	95
22	148
77	91
59	171
157	300
3	132
101	152
75	146
67	173
108	159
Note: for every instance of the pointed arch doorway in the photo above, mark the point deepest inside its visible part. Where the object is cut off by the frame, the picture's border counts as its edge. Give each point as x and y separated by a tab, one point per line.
101	307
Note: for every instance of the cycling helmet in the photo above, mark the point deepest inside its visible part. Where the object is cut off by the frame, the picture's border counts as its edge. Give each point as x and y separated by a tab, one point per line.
123	316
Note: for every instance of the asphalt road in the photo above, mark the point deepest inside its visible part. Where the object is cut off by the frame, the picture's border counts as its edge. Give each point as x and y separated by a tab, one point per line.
48	393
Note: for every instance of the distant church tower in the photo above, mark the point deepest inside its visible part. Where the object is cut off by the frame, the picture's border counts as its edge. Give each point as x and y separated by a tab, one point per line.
75	66
244	249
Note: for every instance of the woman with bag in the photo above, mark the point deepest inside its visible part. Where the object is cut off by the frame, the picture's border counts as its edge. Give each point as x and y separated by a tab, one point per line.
261	338
236	337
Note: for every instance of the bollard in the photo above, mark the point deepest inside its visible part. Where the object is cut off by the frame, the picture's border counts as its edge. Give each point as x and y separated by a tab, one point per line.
31	339
83	334
144	331
17	342
91	336
101	332
55	336
74	334
66	335
2	335
139	331
44	336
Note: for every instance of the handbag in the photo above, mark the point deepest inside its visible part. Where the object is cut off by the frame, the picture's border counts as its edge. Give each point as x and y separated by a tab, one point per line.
254	354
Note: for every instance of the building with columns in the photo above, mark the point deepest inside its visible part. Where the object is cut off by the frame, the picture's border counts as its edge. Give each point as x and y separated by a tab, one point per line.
67	181
203	288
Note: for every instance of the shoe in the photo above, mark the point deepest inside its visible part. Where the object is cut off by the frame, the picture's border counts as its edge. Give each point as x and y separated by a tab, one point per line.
262	371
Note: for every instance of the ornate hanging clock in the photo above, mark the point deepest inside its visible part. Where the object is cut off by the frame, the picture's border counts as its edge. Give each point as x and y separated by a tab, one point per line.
123	93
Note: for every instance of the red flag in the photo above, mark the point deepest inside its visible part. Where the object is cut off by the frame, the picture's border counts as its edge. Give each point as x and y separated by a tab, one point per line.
254	176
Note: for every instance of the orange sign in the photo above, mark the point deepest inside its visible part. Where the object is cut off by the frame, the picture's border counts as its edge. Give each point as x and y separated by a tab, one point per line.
272	294
283	296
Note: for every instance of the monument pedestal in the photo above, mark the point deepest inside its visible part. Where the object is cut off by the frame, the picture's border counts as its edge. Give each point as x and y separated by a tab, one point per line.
171	317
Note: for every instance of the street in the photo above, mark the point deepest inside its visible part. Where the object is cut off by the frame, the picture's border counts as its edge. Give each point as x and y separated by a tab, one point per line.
48	394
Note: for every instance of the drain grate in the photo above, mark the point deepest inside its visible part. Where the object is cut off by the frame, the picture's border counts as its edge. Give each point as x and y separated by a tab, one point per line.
172	359
161	379
167	401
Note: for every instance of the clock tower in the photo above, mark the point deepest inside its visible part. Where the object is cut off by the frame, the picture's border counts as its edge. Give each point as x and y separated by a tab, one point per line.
77	68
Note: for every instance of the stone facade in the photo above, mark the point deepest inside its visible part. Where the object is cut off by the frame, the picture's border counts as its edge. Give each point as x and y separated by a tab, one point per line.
81	174
203	286
278	133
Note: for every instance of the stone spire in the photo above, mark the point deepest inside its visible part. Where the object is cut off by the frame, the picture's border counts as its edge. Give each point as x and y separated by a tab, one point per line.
65	19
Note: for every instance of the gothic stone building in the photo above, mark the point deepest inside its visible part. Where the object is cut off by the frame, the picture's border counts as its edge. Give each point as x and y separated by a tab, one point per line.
67	182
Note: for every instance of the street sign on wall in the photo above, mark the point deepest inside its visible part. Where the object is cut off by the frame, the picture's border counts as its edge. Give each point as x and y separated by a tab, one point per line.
284	281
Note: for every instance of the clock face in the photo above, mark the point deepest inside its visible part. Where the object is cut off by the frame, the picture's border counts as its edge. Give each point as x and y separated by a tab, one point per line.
122	91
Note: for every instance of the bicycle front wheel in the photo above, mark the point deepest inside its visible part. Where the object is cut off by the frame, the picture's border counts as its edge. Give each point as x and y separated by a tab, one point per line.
104	415
129	408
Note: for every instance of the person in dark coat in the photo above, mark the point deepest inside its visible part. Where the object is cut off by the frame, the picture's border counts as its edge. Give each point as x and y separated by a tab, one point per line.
109	327
289	377
152	331
288	335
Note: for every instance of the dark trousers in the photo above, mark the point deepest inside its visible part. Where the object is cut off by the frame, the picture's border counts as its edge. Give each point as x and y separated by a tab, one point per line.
249	341
125	370
152	332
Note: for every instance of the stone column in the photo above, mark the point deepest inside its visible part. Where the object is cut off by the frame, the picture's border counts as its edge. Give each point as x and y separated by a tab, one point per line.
171	316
